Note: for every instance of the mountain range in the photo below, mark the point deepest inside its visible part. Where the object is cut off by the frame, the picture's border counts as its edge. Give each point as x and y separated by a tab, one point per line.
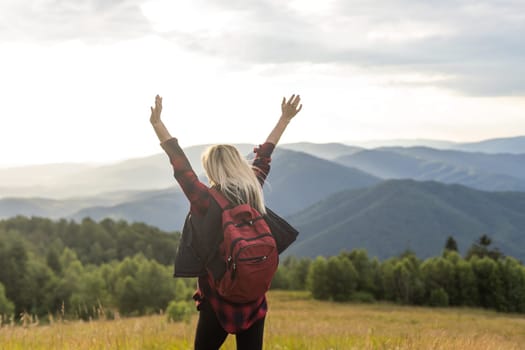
288	190
339	196
502	171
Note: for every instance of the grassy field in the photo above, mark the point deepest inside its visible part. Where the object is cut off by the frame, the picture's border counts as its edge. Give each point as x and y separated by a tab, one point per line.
294	322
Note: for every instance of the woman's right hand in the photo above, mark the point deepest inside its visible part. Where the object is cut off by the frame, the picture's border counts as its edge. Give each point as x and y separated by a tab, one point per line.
156	111
289	109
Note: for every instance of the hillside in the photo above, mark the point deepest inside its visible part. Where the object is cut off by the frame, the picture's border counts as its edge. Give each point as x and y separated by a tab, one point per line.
298	180
403	214
165	209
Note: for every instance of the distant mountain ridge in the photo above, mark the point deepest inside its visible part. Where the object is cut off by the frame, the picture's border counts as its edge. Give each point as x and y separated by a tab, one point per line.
512	145
437	144
329	151
59	181
492	172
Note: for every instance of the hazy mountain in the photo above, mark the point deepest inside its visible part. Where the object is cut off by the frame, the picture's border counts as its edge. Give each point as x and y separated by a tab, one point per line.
502	145
165	209
513	145
61	208
60	181
328	151
403	214
50	208
46	174
438	144
298	179
289	189
37	180
502	172
505	164
76	180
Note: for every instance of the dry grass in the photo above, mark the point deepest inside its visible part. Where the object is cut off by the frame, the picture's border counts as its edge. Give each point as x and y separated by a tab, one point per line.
294	322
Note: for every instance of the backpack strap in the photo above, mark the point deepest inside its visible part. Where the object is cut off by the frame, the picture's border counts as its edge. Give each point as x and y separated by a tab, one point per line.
220	199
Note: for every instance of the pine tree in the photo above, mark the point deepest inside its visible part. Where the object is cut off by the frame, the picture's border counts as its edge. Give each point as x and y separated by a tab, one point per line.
451	244
481	248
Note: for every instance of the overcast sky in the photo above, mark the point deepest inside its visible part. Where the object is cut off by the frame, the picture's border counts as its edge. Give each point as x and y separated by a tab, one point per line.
77	77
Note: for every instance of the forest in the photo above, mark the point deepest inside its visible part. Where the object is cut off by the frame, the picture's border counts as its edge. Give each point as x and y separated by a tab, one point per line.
88	269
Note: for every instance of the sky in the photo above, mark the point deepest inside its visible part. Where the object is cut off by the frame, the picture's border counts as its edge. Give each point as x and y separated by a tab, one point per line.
77	77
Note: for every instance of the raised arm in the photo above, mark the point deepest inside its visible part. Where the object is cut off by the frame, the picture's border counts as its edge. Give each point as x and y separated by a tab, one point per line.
289	109
261	163
195	191
159	127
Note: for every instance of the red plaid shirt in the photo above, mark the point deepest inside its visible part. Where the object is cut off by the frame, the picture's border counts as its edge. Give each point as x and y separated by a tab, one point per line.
233	317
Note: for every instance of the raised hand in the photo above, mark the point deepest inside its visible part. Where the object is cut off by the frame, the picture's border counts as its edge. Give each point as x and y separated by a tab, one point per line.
159	127
156	111
291	107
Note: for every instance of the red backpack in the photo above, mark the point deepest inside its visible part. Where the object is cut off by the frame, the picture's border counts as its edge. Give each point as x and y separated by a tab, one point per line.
249	251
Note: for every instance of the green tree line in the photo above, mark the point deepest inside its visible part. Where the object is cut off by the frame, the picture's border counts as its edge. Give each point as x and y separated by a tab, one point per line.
483	278
93	242
85	269
80	270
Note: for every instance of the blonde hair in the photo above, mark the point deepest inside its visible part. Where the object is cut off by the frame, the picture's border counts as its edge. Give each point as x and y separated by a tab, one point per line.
231	173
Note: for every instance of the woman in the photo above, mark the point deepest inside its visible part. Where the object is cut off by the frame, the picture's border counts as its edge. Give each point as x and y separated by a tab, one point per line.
239	182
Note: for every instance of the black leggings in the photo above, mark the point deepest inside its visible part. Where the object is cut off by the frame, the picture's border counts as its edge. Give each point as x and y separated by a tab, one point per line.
210	335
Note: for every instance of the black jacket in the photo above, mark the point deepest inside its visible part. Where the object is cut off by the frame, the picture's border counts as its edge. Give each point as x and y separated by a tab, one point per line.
198	251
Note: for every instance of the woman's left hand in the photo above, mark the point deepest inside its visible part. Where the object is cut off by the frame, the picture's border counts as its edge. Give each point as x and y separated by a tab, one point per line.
156	111
291	107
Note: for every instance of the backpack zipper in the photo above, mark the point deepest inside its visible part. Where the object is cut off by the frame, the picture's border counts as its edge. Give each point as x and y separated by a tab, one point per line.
233	262
260	258
256	258
243	223
234	242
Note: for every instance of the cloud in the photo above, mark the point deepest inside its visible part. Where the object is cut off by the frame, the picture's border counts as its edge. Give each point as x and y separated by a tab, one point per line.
477	45
58	20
